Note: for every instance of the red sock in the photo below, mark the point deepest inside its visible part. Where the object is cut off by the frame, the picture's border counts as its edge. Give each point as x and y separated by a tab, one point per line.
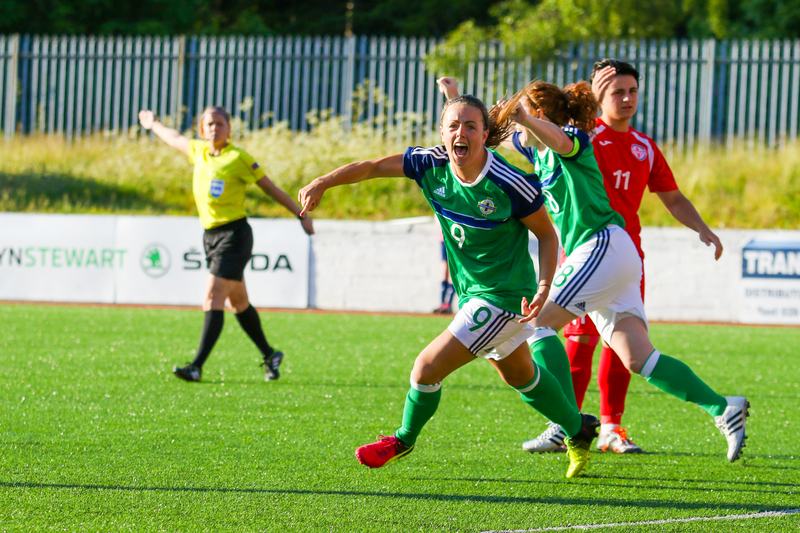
613	379
580	362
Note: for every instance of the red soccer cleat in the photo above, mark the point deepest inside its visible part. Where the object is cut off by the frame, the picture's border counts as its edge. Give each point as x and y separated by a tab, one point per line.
386	450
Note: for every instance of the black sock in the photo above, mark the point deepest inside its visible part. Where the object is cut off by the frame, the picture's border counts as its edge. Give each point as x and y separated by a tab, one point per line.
251	324
212	327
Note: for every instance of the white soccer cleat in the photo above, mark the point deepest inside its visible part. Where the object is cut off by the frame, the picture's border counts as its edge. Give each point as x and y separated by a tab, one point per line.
731	424
552	440
617	441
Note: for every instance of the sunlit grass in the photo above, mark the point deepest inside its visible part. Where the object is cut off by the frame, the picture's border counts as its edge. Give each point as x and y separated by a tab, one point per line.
98	435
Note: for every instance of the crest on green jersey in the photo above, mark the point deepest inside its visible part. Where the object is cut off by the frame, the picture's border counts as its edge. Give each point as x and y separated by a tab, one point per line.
487	207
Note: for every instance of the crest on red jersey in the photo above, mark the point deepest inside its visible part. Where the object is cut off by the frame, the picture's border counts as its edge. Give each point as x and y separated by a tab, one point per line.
639	152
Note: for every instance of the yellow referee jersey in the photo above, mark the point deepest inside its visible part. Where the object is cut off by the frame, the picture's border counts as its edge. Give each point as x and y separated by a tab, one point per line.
219	182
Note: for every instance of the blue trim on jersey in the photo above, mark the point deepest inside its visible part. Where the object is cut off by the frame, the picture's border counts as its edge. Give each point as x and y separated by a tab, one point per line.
418	160
465	220
595	258
523	190
528	151
579	137
491	332
554	176
530	155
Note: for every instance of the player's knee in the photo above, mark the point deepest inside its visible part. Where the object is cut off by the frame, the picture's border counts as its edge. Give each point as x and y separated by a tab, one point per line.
634	366
214	299
239	302
424	372
422	377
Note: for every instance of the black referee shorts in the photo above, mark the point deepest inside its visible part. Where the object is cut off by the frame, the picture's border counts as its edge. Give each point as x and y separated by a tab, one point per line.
228	249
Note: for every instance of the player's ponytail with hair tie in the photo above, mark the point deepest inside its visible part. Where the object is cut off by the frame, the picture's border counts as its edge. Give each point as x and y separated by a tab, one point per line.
582	105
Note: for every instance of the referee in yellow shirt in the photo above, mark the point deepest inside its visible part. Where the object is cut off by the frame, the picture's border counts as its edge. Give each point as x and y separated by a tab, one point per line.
222	172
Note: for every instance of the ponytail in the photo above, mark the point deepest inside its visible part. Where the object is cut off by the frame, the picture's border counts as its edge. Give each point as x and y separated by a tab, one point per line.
575	105
582	105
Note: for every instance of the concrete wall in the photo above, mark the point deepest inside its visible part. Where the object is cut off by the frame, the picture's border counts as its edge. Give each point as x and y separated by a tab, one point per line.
396	266
375	266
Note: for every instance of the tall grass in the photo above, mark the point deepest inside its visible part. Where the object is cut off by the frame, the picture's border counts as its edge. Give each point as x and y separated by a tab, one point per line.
740	189
736	189
137	175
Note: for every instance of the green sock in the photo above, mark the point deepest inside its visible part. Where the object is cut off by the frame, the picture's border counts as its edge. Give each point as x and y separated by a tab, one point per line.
676	378
544	394
549	354
420	406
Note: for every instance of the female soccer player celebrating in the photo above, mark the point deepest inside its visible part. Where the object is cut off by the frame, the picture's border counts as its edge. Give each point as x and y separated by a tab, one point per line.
485	208
602	271
222	172
630	162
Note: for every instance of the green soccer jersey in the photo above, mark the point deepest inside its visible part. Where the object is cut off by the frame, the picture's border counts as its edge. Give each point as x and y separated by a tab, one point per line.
487	245
573	188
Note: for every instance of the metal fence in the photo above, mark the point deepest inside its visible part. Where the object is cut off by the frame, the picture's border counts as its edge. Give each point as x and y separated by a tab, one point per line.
729	92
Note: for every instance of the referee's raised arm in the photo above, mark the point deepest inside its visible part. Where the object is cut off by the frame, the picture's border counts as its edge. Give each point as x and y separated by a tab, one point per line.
171	136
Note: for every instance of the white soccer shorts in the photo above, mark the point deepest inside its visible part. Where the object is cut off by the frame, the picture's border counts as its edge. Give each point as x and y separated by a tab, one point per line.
601	278
488	331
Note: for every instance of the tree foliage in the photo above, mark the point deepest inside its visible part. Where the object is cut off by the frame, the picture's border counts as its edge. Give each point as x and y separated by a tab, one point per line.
420	18
538	28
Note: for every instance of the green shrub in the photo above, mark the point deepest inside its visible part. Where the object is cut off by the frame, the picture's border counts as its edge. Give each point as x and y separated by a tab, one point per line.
740	189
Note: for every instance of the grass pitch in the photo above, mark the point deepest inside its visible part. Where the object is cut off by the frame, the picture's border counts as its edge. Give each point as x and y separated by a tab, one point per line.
98	435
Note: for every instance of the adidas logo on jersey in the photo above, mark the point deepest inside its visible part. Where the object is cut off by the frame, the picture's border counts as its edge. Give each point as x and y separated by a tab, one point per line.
581	306
604	143
439	192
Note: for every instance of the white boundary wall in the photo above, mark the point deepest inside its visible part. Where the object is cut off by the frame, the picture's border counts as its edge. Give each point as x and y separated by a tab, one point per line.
396	266
390	266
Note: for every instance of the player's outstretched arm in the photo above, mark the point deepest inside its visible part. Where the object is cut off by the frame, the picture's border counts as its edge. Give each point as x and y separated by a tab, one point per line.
539	223
171	136
389	167
684	212
545	132
277	194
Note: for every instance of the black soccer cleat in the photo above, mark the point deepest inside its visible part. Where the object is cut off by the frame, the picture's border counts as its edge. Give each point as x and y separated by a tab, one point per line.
188	373
271	365
589	427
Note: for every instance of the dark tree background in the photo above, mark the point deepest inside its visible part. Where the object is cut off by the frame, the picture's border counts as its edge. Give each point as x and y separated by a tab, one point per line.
422	18
512	19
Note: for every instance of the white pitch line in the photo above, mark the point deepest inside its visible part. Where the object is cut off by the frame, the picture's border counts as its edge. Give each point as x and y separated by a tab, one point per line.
765	514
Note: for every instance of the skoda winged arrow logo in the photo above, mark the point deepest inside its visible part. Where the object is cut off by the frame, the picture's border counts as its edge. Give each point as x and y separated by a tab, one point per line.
155	260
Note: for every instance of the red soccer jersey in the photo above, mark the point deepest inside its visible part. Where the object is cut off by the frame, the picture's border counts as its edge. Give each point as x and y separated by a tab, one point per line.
630	162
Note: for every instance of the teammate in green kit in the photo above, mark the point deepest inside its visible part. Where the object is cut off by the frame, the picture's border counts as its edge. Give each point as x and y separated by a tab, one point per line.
485	207
602	272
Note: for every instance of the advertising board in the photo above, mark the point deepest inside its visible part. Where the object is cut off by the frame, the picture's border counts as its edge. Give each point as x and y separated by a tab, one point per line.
771	282
141	260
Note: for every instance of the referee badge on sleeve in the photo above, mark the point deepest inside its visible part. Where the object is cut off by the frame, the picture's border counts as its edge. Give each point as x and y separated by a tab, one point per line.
217	188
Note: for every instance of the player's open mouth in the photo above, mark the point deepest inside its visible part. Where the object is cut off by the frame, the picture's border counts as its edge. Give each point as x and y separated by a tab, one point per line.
460	149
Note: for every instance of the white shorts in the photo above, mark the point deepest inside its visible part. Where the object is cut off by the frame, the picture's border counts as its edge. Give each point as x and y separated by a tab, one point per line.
601	278
488	331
